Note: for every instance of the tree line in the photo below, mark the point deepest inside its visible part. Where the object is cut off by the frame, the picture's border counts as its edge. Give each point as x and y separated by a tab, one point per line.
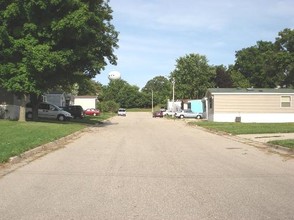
57	45
264	65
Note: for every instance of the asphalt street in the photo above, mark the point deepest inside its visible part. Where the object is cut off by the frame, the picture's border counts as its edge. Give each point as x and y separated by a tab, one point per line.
139	167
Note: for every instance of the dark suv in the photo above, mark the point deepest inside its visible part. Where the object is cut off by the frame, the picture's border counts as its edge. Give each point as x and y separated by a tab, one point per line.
76	111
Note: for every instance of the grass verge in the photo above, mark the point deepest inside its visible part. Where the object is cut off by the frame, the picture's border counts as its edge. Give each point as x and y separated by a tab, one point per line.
18	137
252	128
289	143
247	128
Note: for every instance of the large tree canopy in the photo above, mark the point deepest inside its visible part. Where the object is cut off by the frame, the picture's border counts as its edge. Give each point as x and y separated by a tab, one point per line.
193	75
222	79
268	64
49	43
161	87
126	95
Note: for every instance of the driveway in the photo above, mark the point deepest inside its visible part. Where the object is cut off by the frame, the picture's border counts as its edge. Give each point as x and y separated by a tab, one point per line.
139	167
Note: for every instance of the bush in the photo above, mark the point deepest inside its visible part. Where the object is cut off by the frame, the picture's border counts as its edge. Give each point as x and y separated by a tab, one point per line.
108	106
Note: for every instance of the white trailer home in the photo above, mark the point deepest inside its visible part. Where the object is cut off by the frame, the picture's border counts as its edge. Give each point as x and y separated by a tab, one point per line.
86	101
249	105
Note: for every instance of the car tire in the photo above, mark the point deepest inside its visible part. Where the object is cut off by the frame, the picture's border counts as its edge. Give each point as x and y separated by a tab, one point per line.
181	116
29	115
94	114
61	118
198	117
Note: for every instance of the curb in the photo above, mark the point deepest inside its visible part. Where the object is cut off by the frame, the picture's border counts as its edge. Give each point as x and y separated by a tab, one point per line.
268	146
45	148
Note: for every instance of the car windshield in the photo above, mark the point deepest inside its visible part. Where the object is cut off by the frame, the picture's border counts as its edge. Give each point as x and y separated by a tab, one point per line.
57	108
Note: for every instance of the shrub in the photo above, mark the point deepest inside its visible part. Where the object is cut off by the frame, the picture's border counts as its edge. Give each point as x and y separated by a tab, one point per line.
108	106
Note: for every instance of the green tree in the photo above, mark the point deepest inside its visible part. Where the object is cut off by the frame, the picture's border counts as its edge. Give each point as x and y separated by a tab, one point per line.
53	43
238	80
192	75
108	106
89	87
162	89
122	93
256	62
223	78
268	64
284	61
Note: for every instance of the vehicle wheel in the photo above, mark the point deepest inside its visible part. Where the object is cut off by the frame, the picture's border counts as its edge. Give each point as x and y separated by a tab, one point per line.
94	114
29	115
61	118
198	117
181	116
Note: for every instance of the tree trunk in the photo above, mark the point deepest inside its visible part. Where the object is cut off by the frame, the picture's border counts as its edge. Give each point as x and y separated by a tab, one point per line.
22	108
35	101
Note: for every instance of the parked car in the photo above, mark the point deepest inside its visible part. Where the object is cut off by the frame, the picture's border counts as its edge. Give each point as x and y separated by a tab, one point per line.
121	112
48	110
187	113
168	113
76	111
158	114
92	111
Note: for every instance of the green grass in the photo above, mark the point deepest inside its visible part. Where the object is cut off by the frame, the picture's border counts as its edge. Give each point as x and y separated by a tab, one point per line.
18	137
247	128
289	143
252	128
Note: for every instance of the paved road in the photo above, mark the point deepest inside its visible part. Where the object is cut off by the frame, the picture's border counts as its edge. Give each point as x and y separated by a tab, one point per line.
139	167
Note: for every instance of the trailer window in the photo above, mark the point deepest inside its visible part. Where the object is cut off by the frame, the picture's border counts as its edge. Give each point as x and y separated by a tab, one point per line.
286	101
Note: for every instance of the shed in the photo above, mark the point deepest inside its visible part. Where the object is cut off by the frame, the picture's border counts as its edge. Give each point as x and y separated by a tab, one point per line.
86	101
249	105
56	98
195	105
9	105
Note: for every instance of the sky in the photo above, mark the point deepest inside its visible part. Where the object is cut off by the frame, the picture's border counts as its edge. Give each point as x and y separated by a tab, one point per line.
153	34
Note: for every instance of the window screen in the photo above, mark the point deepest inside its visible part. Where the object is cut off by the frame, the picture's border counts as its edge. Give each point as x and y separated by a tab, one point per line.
286	101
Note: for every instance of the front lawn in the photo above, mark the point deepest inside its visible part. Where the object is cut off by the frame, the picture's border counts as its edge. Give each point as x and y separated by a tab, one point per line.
251	128
285	143
247	128
18	137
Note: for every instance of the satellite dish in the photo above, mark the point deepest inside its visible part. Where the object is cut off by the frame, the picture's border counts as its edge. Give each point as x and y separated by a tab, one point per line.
114	75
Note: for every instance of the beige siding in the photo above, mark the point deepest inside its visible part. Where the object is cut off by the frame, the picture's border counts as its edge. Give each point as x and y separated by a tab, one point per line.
252	103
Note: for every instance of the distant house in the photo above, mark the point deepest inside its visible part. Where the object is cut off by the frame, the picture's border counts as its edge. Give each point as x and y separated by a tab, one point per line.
249	105
9	105
174	106
86	101
195	105
56	98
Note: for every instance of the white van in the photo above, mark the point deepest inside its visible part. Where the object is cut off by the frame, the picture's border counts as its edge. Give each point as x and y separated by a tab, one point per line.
48	110
122	112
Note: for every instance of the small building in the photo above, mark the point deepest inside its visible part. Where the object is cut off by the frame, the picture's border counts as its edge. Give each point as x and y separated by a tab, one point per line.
174	105
86	101
195	105
56	98
249	105
9	105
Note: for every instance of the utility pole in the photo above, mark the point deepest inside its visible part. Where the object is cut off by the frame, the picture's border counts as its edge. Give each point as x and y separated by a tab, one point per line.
173	82
152	100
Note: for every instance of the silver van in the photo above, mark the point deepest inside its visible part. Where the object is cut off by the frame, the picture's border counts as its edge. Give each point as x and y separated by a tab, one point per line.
48	110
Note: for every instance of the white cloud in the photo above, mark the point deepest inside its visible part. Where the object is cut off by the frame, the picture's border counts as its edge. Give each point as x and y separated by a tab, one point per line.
154	33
